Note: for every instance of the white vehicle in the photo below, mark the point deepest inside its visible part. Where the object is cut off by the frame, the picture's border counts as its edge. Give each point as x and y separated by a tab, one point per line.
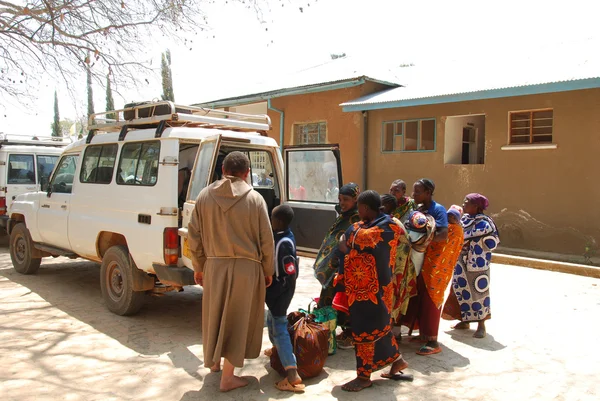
25	165
124	195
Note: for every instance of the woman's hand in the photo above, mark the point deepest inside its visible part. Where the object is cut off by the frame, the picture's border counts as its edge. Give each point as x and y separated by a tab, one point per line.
342	244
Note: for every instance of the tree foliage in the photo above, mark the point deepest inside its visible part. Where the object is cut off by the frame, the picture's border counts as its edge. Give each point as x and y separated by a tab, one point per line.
110	103
64	38
56	124
167	77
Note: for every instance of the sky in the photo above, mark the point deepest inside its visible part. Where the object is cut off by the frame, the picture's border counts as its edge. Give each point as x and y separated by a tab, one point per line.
240	49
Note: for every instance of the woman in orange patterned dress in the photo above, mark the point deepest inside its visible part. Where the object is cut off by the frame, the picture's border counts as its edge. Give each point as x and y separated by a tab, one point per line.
366	276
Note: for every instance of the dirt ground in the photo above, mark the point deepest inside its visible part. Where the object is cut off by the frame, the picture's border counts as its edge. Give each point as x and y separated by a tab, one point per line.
59	342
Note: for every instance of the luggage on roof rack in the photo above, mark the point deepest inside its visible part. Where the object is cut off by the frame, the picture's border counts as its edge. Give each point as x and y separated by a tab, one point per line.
163	114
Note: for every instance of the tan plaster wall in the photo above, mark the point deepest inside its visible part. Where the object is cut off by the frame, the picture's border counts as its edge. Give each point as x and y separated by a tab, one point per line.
544	200
345	129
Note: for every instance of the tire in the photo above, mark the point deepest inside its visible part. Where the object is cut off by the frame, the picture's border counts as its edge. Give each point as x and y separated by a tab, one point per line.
116	282
20	250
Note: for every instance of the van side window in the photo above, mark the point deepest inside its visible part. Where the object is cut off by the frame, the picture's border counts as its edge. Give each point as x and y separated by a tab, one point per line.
45	165
139	163
62	180
20	169
98	164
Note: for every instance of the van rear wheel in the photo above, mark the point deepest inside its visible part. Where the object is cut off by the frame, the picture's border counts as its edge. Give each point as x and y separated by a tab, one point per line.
20	250
116	282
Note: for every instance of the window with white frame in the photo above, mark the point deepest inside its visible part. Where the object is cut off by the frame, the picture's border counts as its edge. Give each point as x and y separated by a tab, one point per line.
310	133
408	135
531	127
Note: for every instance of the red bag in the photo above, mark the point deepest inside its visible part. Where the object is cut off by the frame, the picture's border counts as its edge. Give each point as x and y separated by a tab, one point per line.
310	345
340	302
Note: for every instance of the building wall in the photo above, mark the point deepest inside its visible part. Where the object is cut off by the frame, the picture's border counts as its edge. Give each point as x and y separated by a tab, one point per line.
544	200
345	129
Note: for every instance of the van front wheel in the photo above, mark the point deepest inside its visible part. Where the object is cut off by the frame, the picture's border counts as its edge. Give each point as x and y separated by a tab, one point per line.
116	282
20	251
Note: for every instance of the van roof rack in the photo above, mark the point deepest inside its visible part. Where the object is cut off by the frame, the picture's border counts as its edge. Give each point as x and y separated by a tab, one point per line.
163	114
32	140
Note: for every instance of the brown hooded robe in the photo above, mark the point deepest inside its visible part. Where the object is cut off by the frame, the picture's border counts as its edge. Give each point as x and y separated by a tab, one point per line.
231	241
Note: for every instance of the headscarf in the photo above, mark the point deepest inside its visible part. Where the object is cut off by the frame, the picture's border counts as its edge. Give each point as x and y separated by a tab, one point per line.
459	208
350	189
478	200
454	212
428	184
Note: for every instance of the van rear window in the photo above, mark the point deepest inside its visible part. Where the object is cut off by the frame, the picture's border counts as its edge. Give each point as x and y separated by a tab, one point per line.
21	169
139	163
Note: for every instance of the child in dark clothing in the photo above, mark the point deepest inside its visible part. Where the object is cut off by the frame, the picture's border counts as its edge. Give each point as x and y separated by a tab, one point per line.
280	294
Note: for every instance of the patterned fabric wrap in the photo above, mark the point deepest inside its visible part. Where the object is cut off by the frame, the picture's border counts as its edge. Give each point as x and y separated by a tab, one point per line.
440	259
402	211
376	355
367	279
309	341
327	261
471	279
404	277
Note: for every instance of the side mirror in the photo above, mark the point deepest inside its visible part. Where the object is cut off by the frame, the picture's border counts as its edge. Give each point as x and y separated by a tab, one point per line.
43	183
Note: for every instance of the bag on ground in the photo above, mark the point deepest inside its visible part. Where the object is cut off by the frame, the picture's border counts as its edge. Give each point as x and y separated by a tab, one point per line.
310	345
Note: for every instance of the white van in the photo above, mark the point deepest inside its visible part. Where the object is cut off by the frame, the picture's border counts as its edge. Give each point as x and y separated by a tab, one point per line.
123	196
25	166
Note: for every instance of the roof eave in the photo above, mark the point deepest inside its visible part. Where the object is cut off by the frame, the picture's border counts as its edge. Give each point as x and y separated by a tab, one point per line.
298	90
564	86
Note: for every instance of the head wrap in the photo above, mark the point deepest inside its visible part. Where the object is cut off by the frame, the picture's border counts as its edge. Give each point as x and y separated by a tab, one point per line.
460	209
350	189
454	212
428	184
478	200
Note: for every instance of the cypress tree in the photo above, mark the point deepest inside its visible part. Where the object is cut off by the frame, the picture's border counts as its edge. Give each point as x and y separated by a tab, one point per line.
110	103
56	124
167	76
90	93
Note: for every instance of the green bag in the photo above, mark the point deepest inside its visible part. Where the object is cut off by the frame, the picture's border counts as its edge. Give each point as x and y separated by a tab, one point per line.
327	316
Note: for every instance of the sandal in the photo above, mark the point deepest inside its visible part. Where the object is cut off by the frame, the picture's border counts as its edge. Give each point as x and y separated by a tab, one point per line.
427	350
398	376
285	385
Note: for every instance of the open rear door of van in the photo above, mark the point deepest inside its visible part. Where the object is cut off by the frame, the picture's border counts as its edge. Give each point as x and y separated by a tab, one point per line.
201	176
313	174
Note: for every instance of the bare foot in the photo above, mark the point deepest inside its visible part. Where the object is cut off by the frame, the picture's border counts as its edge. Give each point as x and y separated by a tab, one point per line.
216	368
268	352
231	383
293	377
357	385
461	326
480	333
398	366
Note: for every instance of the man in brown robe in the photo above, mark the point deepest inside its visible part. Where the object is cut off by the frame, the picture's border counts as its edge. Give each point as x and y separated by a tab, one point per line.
231	242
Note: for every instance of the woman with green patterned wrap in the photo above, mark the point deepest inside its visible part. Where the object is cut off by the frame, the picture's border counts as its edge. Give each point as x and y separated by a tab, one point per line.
328	258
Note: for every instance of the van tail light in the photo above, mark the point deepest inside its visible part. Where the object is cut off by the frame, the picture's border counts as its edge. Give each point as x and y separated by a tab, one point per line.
171	245
2	205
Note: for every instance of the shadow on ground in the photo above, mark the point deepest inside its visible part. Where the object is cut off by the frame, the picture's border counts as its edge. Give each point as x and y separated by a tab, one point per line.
166	324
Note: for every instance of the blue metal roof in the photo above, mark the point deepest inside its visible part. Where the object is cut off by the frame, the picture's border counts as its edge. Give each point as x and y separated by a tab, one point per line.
448	83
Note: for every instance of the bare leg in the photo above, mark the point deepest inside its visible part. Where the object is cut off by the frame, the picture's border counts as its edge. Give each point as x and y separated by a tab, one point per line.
480	333
228	380
293	377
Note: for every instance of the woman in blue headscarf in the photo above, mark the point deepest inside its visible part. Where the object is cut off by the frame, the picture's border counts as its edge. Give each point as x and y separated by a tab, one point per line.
469	299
